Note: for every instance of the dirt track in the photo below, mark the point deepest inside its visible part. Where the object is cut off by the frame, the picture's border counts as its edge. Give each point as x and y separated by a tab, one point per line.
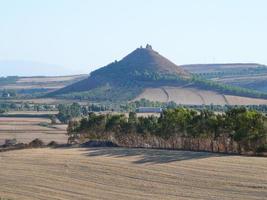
117	173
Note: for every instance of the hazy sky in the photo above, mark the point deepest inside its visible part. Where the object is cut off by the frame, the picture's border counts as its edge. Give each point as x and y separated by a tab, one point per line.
82	35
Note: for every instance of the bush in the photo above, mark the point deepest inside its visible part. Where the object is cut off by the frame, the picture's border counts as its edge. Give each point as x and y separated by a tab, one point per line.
52	144
36	143
262	148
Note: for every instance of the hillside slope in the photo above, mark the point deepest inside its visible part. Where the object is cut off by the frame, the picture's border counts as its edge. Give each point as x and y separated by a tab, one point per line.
193	96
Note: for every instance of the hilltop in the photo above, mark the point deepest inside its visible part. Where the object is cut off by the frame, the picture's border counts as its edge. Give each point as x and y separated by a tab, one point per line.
142	68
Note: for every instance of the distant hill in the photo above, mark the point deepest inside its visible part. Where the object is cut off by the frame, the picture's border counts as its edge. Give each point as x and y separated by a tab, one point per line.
33	85
246	75
125	79
145	69
221	67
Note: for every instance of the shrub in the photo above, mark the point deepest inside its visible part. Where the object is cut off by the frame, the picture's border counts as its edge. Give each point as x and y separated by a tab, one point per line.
36	143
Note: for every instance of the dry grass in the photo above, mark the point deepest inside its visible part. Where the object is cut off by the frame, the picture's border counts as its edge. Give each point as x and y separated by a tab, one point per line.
153	94
132	174
27	129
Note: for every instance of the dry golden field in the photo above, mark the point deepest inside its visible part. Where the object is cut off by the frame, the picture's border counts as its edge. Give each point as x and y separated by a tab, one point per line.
131	174
27	129
191	96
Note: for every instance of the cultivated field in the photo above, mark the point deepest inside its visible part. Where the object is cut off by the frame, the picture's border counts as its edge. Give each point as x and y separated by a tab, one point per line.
247	75
191	96
132	174
25	129
52	101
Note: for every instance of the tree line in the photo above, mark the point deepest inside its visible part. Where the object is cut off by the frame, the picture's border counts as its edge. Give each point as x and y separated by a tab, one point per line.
68	112
133	105
237	130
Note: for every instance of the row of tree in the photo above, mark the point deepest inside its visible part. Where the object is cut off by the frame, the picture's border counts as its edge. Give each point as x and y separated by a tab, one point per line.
243	127
20	106
133	105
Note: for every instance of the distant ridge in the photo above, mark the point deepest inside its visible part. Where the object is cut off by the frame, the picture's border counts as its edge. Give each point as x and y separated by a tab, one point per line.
246	75
207	68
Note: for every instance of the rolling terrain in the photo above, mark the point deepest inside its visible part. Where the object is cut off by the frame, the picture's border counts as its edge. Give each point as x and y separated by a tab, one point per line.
144	73
118	173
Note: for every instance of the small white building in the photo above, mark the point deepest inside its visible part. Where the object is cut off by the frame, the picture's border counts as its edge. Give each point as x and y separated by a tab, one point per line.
149	110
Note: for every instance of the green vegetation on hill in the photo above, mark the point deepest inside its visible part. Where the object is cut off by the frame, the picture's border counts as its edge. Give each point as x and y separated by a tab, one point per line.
106	93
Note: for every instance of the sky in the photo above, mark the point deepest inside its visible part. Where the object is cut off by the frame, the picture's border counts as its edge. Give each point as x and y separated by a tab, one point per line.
79	36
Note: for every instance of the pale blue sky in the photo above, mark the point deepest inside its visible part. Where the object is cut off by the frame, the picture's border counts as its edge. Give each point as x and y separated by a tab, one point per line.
82	35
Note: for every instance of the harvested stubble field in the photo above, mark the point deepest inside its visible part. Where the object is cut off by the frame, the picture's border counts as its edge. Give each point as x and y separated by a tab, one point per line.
192	96
118	173
27	129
